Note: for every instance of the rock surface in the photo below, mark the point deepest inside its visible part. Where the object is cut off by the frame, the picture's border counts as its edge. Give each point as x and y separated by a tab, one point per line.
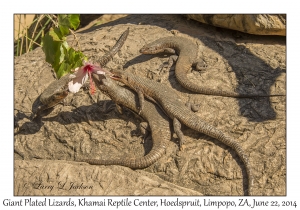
90	126
47	177
252	24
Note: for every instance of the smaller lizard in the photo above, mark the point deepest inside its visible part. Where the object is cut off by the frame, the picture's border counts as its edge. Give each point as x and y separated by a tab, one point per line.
158	122
187	54
171	103
58	90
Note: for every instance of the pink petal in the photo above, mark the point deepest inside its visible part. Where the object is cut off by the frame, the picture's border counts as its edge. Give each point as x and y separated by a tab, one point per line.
80	78
98	70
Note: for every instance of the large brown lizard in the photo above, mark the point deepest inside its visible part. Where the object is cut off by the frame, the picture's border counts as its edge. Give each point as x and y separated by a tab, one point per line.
171	103
158	122
187	54
58	90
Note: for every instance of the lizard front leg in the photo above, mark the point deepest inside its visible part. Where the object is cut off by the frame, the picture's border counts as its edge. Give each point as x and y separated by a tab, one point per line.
173	58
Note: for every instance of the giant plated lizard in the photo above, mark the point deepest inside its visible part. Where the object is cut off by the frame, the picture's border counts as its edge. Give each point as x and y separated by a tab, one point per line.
187	54
58	89
171	103
158	122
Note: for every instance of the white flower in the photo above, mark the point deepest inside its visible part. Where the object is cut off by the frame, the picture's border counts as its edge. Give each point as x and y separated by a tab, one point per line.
81	74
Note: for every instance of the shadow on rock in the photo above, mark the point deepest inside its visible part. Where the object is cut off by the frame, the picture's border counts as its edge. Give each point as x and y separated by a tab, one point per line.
93	113
246	65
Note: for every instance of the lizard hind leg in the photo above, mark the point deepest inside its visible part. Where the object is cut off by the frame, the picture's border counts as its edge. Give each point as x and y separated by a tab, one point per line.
145	131
141	100
200	66
177	125
192	105
119	109
177	130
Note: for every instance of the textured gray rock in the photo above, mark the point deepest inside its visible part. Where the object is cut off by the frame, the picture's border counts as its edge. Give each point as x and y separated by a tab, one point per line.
253	24
46	177
90	126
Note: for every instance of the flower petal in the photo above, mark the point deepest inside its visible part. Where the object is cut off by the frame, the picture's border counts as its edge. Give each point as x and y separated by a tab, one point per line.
79	78
74	88
98	70
80	75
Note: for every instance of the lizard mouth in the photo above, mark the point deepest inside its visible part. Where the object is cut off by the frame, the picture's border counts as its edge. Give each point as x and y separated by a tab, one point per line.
115	77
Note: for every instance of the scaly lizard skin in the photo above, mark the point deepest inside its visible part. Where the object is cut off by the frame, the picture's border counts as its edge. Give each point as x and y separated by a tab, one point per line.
187	54
158	121
171	103
58	90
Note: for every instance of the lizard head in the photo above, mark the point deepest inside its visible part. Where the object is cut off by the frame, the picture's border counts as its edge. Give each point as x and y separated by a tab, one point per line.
98	79
120	76
151	49
157	46
103	82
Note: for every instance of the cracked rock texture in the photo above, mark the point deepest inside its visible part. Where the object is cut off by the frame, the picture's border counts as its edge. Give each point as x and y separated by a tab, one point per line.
90	126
